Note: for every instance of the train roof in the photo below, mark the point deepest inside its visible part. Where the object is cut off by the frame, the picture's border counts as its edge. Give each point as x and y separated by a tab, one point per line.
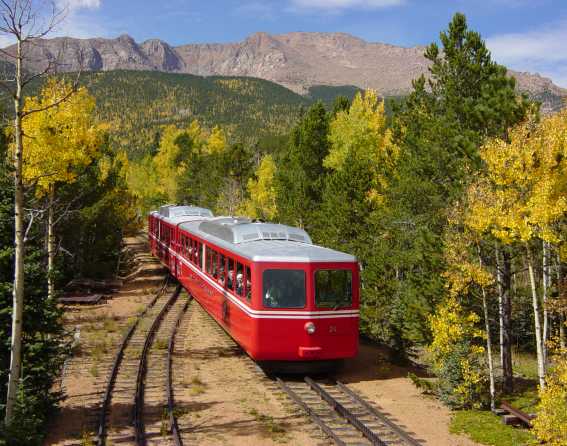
177	214
268	242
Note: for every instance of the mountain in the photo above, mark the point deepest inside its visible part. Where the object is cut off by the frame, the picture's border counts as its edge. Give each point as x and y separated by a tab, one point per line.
296	60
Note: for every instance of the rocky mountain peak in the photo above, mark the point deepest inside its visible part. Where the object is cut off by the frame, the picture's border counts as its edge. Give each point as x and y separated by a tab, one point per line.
296	60
161	55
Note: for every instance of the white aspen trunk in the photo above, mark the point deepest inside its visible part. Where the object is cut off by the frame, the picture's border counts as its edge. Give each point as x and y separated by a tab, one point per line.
51	244
488	346
559	273
18	291
537	323
546	281
499	280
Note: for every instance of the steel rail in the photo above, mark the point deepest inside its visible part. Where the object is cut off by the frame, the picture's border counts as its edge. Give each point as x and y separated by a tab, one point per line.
139	429
101	432
176	434
316	418
399	431
345	413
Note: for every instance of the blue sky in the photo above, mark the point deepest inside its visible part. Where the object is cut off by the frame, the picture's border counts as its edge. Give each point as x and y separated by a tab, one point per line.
527	35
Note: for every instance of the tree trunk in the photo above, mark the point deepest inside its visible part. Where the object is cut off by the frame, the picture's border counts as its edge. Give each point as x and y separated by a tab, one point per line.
51	244
562	310
488	346
537	323
504	276
18	291
546	281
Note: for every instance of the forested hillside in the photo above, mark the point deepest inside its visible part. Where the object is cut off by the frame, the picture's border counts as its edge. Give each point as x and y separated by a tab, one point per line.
136	104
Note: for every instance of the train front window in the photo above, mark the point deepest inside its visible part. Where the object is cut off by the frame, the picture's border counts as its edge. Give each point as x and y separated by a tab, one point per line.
333	288
284	288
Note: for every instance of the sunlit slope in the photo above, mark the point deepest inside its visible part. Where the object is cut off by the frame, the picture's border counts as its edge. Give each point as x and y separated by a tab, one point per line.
136	104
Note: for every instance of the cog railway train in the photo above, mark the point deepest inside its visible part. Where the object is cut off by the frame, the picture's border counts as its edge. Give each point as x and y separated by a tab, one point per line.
283	299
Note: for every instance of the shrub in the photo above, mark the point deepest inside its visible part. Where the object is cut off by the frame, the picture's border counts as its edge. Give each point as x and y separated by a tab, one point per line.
457	357
550	426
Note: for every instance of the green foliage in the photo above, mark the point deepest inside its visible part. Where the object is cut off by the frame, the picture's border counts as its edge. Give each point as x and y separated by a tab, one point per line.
327	94
299	180
486	428
44	348
101	209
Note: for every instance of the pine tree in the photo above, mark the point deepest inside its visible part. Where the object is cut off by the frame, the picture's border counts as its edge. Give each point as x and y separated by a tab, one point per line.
299	178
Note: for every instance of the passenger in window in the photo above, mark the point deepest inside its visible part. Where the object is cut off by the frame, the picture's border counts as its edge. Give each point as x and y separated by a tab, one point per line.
221	275
239	284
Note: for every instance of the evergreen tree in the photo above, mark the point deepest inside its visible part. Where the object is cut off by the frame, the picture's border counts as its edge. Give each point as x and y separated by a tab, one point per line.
299	180
439	129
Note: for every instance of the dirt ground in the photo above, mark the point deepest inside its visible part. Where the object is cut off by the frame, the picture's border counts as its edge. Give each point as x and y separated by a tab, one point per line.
226	399
392	392
222	398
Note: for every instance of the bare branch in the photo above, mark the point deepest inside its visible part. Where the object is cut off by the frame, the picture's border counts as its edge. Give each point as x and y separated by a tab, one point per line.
71	92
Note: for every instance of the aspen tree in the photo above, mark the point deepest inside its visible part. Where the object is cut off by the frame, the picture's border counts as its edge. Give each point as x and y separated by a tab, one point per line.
262	201
522	197
61	142
25	22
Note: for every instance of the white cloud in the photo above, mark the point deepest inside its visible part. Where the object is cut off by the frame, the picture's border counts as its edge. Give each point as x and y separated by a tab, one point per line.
340	5
74	5
542	50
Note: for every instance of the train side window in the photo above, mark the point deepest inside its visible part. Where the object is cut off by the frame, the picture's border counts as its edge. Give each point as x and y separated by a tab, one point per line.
239	279
215	263
231	274
248	283
198	251
222	270
208	260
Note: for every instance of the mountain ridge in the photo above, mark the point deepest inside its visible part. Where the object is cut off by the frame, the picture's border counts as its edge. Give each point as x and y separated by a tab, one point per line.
296	60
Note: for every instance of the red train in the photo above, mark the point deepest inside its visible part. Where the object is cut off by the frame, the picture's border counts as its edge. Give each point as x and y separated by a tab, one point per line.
279	296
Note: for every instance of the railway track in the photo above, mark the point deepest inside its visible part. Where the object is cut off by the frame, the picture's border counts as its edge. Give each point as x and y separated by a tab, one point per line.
138	405
343	416
340	413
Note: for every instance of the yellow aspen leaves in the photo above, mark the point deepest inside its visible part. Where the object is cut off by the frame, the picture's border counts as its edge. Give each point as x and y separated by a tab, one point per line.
216	142
550	425
262	202
524	192
361	132
61	140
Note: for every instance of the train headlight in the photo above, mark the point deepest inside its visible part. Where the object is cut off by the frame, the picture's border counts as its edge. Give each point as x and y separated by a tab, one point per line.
310	328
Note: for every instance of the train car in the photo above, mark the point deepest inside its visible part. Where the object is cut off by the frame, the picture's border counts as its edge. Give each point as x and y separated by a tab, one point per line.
163	228
282	298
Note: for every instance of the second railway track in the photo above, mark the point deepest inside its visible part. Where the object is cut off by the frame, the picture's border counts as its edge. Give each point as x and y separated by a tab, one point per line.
138	404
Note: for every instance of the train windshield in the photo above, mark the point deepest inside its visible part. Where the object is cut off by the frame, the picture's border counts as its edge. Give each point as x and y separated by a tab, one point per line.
284	288
333	288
